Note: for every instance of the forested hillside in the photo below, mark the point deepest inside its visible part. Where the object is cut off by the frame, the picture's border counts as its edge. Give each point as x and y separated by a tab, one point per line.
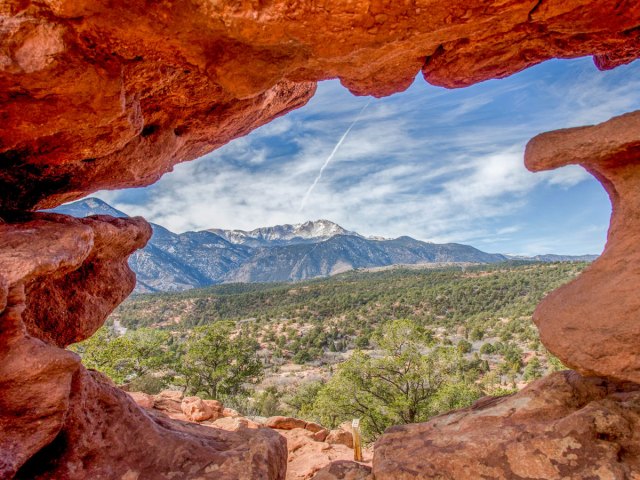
310	348
447	297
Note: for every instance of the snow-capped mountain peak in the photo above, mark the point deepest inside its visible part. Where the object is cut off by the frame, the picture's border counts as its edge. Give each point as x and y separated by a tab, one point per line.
88	206
284	234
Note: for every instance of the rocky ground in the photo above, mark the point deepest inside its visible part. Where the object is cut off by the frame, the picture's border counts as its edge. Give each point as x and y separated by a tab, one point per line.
564	426
314	452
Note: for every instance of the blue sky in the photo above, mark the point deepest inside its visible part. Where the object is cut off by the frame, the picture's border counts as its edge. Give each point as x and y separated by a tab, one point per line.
438	165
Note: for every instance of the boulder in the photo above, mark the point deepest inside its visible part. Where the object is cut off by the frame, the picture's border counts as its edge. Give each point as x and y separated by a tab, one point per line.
313	427
343	435
196	410
216	407
307	455
170	402
230	412
143	399
233	424
593	323
321	435
564	426
344	470
285	423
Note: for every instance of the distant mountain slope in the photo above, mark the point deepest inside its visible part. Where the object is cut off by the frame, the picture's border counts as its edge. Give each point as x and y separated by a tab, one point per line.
175	262
555	258
170	261
181	261
88	206
346	252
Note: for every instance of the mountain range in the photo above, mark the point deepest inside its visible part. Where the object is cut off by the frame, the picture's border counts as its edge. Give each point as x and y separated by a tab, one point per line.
174	262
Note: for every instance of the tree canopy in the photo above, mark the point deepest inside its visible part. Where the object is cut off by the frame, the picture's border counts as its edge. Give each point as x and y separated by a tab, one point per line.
410	380
216	364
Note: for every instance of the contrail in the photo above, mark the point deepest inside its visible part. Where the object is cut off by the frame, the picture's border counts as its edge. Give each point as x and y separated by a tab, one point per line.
330	157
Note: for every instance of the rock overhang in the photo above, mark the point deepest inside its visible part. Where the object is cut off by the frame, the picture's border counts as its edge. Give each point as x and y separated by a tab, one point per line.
99	95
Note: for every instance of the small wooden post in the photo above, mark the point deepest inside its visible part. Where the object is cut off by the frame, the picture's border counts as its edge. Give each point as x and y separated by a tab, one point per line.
357	445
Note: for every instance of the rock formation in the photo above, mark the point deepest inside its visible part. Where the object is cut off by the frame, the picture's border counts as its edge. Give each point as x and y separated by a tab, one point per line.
593	323
561	427
308	455
344	470
564	426
60	278
99	94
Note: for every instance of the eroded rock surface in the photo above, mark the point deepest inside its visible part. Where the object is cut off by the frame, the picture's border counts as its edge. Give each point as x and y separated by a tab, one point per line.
308	454
344	470
40	254
593	323
107	436
99	94
561	427
59	279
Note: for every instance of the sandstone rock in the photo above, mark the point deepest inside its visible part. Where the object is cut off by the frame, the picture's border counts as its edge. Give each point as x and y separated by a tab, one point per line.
285	423
307	456
196	410
101	94
41	258
35	384
52	255
344	470
593	323
59	279
342	435
106	435
313	427
321	435
170	402
233	424
121	111
171	395
143	399
561	427
216	407
230	412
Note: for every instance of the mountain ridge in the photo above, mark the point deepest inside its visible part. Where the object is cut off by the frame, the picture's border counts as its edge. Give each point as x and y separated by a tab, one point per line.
286	234
290	252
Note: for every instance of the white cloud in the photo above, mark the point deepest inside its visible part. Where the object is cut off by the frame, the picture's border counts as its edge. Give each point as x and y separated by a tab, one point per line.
430	163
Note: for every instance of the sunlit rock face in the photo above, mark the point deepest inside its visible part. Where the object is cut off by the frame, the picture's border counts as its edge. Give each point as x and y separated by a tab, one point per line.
593	323
561	427
99	94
